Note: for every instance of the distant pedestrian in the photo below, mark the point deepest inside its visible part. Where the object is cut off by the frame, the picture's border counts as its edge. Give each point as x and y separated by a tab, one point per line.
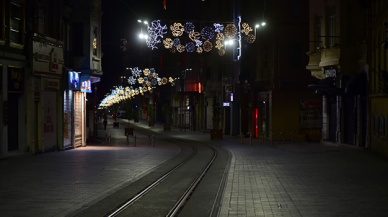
105	123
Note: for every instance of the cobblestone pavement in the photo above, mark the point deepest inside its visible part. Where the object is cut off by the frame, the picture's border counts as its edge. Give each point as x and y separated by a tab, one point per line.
283	179
307	179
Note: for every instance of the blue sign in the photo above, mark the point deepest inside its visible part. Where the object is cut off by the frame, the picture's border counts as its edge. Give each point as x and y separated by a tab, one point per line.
86	85
74	81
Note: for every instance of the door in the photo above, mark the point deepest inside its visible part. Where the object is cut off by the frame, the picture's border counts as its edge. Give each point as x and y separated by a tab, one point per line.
50	120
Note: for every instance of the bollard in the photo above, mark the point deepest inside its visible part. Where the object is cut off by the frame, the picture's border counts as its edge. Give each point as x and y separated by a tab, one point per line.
109	141
149	139
263	136
153	140
134	140
127	139
282	136
250	140
241	138
106	138
292	138
271	138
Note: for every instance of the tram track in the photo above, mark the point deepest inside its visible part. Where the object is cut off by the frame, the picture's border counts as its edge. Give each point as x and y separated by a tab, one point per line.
185	191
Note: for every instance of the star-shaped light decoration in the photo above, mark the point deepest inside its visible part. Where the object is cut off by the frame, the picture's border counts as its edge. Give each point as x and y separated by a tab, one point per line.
131	80
136	72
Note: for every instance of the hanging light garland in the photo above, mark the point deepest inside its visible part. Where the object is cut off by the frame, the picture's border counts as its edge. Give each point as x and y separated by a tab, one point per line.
194	36
176	42
251	38
146	71
230	30
207	33
218	27
180	48
168	43
190	47
220	36
219	44
199	50
207	46
246	28
177	29
189	27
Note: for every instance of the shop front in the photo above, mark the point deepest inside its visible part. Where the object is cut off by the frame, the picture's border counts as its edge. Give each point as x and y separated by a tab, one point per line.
47	100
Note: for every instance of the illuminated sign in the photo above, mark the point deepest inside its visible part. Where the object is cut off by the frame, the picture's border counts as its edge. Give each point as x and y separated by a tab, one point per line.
74	81
225	104
86	84
231	97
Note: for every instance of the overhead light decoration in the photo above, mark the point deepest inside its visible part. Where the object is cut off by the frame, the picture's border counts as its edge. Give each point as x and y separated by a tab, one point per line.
221	52
131	80
140	80
218	27
207	33
189	27
155	75
246	28
230	30
198	43
177	29
207	46
145	79
176	42
199	50
170	79
164	80
168	43
220	36
251	38
190	47
154	82
173	50
146	71
148	83
136	72
180	48
219	44
194	36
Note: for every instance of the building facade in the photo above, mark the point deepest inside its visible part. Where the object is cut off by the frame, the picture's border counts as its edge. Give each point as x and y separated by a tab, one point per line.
338	57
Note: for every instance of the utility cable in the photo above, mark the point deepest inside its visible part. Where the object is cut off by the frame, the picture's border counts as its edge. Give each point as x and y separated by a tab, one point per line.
129	8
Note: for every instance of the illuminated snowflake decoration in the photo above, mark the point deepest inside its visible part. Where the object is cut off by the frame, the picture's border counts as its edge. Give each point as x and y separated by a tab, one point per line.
190	47
246	28
218	27
198	43
155	75
146	72
207	33
167	43
176	42
164	80
221	52
136	92
219	44
177	29
140	80
136	72
152	70
194	36
170	79
230	30
144	85
251	38
150	76
159	83
156	30
207	46
148	83
131	80
180	48
199	50
154	82
152	42
220	36
159	79
189	27
145	79
173	50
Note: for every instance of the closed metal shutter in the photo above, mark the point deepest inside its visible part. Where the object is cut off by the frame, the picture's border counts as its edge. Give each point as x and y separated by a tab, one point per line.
67	130
50	120
78	100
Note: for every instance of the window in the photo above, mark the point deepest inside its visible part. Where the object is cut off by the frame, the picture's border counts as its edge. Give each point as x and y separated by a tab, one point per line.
318	31
16	22
331	26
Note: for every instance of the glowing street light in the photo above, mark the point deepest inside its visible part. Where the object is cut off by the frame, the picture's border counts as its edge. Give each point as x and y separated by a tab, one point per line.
263	23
